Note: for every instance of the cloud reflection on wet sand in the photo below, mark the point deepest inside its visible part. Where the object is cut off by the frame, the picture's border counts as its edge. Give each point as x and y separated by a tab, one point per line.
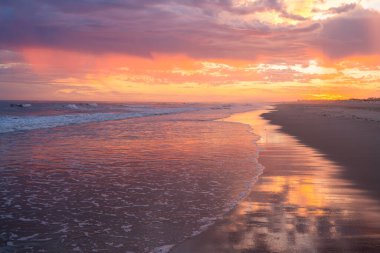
300	204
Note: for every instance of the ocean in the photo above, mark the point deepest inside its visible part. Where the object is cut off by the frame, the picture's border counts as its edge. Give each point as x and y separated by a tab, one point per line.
119	177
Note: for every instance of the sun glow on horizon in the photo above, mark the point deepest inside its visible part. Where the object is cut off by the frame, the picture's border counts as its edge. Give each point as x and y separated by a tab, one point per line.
244	51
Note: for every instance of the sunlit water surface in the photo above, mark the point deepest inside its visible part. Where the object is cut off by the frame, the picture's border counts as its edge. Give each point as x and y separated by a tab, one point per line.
134	185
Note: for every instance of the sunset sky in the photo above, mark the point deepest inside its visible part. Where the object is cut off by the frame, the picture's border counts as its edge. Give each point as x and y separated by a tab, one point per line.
189	50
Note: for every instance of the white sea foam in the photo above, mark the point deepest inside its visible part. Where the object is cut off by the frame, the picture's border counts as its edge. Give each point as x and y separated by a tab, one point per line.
23	123
162	249
25	238
72	106
207	222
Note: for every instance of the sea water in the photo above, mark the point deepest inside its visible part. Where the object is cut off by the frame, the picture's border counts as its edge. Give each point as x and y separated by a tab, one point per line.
80	177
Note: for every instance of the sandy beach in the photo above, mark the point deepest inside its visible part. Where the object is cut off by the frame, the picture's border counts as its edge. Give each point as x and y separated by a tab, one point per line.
316	193
202	126
347	132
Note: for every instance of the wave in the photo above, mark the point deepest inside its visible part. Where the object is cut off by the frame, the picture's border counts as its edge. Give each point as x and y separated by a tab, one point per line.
24	123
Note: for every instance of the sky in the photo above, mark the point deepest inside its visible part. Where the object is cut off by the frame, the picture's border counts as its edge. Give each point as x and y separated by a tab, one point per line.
189	50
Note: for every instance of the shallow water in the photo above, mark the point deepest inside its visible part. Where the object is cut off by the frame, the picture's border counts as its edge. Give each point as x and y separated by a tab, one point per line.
134	185
300	203
38	115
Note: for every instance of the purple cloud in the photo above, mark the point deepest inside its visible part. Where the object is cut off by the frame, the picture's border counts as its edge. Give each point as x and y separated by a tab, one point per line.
143	27
343	8
353	34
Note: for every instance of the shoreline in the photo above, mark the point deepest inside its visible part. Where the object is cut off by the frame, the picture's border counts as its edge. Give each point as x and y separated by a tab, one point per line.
301	203
348	134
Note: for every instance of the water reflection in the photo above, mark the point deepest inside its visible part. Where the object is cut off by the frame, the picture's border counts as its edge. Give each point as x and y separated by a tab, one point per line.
300	204
120	186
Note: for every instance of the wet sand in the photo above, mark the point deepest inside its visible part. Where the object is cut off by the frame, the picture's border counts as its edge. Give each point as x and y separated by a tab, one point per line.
347	132
301	203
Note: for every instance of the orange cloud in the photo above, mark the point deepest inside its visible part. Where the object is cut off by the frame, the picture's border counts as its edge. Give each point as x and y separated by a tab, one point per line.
181	78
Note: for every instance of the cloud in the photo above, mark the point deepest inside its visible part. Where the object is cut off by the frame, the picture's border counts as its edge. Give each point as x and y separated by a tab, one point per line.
142	27
355	33
337	9
197	28
342	8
